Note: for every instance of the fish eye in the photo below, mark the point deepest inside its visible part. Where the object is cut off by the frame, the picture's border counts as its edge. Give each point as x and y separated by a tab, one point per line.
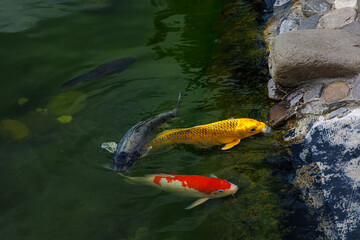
252	130
221	191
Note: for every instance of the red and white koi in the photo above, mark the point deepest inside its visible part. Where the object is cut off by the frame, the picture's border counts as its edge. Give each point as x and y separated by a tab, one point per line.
204	188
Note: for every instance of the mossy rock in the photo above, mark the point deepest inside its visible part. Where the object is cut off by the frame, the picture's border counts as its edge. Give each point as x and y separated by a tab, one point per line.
67	103
13	129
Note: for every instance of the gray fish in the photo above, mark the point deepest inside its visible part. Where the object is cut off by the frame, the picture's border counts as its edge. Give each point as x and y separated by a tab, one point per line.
115	66
131	146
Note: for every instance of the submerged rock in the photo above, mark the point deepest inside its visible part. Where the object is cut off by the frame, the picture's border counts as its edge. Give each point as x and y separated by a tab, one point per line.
64	119
22	101
67	103
13	129
302	56
338	18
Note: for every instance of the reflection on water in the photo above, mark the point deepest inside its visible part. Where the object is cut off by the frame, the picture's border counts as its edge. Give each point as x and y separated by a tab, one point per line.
54	184
19	15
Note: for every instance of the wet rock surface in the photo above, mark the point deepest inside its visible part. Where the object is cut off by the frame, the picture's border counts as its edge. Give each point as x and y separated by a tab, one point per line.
302	56
285	109
338	18
273	92
290	11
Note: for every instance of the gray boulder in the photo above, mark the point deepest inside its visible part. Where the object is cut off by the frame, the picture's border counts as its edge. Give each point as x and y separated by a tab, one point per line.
273	92
353	27
334	147
338	18
288	26
309	23
314	7
302	56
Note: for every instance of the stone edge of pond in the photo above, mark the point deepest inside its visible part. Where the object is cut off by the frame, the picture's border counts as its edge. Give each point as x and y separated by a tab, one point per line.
314	63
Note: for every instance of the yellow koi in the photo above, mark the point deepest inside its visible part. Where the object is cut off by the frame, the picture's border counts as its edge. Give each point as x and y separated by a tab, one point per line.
228	132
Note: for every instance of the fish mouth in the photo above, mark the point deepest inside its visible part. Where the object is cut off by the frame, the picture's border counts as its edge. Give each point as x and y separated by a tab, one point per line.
234	189
266	129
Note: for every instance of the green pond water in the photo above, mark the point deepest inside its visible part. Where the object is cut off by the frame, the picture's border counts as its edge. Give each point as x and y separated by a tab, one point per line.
53	174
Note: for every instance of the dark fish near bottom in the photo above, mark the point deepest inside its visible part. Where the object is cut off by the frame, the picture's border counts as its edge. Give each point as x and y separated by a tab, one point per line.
131	146
115	66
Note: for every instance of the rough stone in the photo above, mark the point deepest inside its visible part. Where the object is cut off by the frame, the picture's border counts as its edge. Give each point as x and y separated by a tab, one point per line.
335	92
309	23
288	26
290	11
316	108
353	27
279	3
313	93
346	3
285	109
302	56
334	146
340	112
355	92
338	18
315	7
273	91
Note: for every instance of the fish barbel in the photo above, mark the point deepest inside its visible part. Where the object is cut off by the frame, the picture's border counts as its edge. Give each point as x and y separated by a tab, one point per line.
202	187
228	132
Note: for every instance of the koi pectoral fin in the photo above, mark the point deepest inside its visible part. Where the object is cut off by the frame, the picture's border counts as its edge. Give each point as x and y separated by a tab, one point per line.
146	151
230	145
197	203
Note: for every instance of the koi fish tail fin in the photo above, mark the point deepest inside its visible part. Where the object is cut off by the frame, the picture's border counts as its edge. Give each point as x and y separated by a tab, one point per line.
176	109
